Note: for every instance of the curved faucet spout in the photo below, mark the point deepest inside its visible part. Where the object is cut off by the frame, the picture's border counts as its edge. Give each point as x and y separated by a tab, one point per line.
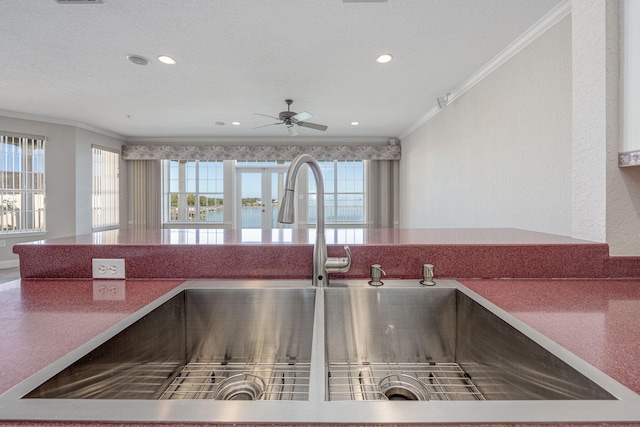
287	216
287	211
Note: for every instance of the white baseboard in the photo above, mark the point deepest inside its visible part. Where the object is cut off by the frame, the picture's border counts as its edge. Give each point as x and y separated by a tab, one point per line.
9	264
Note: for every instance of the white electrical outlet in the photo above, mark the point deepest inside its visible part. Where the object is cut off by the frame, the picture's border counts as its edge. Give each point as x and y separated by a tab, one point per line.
108	268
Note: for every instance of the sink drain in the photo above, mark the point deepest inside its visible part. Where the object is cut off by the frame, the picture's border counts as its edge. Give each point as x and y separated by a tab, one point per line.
241	387
400	393
403	387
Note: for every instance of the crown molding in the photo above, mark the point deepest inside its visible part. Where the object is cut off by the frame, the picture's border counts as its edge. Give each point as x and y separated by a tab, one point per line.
200	139
536	30
299	140
56	121
422	120
101	131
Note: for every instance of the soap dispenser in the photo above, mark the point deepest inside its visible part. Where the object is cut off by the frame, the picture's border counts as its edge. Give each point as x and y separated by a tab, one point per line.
376	270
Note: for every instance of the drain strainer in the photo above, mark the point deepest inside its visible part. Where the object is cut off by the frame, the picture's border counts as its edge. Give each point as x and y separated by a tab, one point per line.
403	387
241	387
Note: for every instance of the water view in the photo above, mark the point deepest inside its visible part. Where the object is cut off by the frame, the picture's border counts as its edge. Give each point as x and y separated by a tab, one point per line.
252	215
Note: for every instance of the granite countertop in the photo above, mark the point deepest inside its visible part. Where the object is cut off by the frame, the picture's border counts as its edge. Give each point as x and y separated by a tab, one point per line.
287	254
357	236
598	320
575	293
43	320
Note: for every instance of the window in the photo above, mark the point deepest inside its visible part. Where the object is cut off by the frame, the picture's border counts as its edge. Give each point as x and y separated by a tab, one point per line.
344	198
196	190
22	193
105	188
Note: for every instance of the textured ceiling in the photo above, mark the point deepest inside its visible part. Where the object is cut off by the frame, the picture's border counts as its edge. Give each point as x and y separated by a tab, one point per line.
68	62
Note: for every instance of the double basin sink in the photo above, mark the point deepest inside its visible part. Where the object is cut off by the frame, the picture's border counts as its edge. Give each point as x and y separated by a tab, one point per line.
278	352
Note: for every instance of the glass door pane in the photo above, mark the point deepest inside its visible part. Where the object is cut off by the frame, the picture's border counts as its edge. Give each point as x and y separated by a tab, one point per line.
277	191
259	192
251	209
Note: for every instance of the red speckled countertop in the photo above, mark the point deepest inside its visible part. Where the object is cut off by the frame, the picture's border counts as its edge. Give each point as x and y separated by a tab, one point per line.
569	295
599	320
43	320
286	254
357	236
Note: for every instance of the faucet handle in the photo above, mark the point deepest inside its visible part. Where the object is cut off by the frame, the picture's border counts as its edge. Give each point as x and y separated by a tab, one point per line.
339	265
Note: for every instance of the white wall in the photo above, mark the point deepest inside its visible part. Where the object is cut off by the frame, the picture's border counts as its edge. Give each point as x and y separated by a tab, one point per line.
499	155
631	75
68	180
623	107
590	108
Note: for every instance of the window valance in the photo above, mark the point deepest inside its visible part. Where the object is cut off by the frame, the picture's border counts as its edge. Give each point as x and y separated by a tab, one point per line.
260	152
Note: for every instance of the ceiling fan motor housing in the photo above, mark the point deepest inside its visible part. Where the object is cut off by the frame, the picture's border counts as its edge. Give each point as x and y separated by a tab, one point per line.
286	116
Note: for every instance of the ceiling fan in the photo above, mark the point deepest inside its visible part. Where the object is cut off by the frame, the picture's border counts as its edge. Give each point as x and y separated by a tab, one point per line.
291	118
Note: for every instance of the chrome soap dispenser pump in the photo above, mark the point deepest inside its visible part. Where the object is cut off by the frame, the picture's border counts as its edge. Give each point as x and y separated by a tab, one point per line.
427	275
376	270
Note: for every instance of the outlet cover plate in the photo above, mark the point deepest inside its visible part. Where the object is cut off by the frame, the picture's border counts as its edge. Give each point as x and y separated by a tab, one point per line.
108	268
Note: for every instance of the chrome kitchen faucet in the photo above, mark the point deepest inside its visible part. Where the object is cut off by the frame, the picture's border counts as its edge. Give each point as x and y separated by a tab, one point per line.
322	264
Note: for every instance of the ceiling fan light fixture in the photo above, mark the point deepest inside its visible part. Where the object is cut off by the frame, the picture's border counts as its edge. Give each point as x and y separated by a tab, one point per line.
384	58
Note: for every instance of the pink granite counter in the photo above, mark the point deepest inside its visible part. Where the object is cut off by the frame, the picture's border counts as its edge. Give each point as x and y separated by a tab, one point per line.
599	320
43	320
287	254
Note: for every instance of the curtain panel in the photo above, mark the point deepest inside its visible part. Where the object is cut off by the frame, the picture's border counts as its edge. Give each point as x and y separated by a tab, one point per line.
383	194
145	197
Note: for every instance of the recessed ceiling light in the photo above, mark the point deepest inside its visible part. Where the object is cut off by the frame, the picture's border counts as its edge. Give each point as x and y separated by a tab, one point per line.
355	123
219	123
235	123
138	60
384	58
166	59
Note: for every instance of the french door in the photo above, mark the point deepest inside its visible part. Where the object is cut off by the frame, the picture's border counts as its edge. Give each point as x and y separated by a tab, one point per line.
258	193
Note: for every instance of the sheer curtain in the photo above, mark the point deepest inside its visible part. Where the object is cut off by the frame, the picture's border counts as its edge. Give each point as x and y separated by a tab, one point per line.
383	193
145	197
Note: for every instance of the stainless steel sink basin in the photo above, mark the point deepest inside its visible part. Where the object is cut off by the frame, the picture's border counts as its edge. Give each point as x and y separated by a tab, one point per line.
437	344
285	352
227	344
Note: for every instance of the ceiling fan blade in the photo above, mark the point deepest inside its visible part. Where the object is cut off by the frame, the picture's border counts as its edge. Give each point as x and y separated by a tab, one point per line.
302	116
312	126
270	124
258	114
292	131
